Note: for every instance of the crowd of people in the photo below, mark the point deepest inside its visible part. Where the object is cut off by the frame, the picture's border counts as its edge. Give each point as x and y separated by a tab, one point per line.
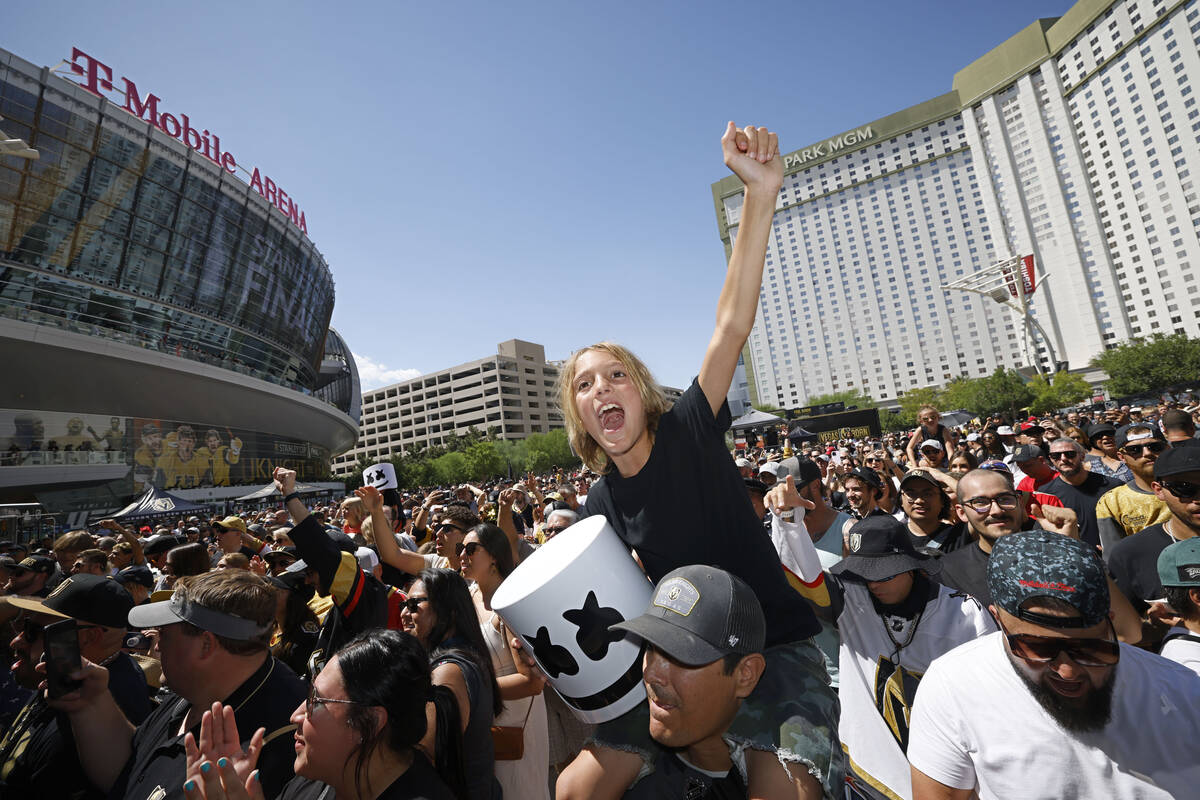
1005	609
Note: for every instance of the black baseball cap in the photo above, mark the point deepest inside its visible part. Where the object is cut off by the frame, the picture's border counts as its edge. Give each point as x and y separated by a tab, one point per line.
919	475
1035	564
1137	432
867	476
1026	452
43	565
288	551
700	614
87	598
159	543
1101	428
755	485
880	549
137	573
1176	461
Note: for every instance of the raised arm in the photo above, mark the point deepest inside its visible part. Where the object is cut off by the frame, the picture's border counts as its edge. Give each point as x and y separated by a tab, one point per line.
753	155
389	552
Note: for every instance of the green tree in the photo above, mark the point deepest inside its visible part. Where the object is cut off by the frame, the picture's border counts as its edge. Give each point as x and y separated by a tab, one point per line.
912	400
1005	391
1146	364
555	447
484	461
892	421
966	393
451	468
1062	390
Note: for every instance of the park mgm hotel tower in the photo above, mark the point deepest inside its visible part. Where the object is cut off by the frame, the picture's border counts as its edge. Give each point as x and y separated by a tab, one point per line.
1076	141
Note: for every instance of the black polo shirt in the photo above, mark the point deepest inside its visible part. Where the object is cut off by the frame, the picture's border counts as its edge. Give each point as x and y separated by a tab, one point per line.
37	754
1133	563
156	769
1082	500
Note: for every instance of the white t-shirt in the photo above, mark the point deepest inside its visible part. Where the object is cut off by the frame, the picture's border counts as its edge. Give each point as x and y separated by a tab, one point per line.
1182	651
976	725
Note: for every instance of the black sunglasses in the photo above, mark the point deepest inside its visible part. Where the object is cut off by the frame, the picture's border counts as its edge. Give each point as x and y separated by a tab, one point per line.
1045	649
442	526
1068	455
413	603
1184	490
469	548
1139	450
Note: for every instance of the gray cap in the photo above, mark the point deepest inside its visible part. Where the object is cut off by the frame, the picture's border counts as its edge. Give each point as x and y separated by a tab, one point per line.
180	609
700	614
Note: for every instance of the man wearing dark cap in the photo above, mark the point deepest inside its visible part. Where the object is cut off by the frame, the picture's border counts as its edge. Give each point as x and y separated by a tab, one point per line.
1052	705
213	637
1031	460
930	518
863	488
894	621
1179	573
37	752
1133	561
29	576
1128	509
138	580
704	633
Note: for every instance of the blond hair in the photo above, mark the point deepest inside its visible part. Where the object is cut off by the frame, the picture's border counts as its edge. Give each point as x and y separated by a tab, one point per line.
654	402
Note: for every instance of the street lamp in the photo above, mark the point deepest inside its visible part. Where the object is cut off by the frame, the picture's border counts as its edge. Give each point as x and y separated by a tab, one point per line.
1011	283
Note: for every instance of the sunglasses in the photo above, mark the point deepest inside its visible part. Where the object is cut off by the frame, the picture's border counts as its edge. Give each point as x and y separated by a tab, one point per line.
1063	455
982	505
470	549
313	700
414	603
555	531
1139	450
1045	649
443	526
1184	490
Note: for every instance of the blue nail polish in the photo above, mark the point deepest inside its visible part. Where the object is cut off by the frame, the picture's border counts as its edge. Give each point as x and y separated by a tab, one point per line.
223	763
190	786
257	777
205	767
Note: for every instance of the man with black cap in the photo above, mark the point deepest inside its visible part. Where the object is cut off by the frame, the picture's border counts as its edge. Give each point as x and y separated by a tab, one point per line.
37	753
863	488
1030	459
1127	509
213	637
1052	705
1133	561
894	621
925	499
138	580
29	576
704	633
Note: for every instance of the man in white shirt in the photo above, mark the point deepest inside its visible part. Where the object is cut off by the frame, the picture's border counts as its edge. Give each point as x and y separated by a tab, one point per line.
1052	705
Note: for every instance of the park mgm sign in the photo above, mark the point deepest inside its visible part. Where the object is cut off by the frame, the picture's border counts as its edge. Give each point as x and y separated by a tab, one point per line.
829	147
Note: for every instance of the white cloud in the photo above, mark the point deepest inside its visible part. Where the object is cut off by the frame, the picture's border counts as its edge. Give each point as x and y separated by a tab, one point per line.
373	375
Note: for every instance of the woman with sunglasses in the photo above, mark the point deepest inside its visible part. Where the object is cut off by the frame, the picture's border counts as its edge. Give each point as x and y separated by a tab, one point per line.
356	733
487	560
440	614
1105	458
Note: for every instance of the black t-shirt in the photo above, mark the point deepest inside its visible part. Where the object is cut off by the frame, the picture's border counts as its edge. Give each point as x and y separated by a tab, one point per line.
688	505
265	700
672	778
37	754
419	782
1133	562
946	539
1082	500
966	570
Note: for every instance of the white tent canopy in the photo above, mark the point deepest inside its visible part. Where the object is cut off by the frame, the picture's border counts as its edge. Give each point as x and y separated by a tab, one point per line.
755	419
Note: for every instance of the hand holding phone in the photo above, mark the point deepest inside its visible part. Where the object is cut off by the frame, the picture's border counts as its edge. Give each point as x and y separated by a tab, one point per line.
62	658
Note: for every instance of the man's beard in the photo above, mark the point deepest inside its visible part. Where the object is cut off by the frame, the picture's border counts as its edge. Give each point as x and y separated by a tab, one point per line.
1078	715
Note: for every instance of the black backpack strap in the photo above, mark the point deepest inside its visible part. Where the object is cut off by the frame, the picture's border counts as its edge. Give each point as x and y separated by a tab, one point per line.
1187	637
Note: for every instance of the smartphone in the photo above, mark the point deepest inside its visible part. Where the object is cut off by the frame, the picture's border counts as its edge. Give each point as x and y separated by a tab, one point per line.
62	657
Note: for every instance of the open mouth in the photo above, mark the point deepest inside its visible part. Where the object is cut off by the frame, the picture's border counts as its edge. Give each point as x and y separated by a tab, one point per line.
612	417
1066	688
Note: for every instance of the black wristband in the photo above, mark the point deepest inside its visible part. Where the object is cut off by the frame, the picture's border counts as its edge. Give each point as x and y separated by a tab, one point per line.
289	497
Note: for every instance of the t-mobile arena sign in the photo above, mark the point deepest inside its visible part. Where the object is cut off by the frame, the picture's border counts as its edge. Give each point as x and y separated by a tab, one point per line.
98	79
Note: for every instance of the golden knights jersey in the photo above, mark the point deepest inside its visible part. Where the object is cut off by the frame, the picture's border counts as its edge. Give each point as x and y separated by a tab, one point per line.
880	673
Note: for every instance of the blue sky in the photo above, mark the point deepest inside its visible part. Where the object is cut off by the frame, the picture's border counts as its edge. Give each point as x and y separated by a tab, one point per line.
475	172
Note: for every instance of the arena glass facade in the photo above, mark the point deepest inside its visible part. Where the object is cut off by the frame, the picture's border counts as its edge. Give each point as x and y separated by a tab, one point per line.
143	287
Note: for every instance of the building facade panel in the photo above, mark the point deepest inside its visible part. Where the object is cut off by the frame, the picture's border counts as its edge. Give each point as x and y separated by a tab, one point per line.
1083	155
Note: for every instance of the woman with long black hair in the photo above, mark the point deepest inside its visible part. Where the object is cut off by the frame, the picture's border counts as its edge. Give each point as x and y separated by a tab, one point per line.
440	614
356	734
